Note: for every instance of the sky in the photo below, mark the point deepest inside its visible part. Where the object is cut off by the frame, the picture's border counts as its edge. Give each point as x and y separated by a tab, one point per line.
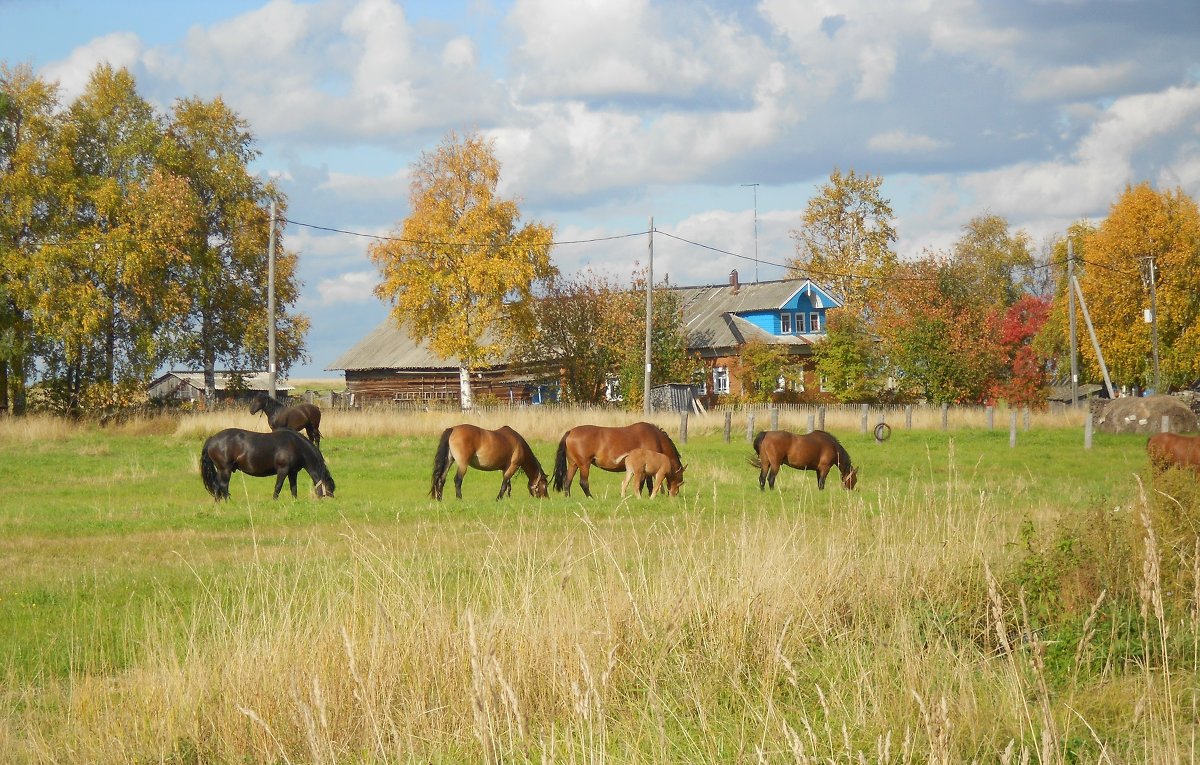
717	119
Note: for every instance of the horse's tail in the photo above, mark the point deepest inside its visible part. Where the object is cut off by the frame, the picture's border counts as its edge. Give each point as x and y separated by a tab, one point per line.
560	463
758	439
441	460
208	471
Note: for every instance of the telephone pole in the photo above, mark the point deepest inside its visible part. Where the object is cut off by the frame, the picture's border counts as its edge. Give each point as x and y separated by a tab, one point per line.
755	186
1153	319
1071	311
649	319
271	307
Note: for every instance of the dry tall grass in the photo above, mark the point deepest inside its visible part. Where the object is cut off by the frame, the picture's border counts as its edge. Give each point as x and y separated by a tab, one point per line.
871	633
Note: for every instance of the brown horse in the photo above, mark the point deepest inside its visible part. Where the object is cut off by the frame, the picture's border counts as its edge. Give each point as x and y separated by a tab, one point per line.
281	453
643	463
1167	449
504	449
585	445
817	451
302	416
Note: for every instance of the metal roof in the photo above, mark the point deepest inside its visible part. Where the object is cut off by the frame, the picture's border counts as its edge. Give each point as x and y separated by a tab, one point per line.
710	313
389	346
250	380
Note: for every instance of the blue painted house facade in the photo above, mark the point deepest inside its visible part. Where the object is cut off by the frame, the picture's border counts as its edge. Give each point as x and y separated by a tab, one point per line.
721	319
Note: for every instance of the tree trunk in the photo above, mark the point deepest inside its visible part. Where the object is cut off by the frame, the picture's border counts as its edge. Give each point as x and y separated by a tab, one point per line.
3	387
464	386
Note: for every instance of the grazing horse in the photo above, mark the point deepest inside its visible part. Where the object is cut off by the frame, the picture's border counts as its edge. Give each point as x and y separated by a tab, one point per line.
281	453
585	445
302	416
643	463
504	449
1167	449
817	451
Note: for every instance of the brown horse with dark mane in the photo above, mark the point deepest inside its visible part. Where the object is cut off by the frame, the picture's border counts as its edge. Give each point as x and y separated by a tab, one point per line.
1167	449
302	416
585	445
817	451
281	453
503	449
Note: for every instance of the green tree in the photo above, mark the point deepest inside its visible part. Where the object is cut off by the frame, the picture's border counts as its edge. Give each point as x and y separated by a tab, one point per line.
759	367
29	188
846	237
461	271
848	360
1145	227
669	357
224	268
993	260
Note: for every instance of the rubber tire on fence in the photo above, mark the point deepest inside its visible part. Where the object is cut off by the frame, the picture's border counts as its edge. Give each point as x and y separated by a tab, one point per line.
883	432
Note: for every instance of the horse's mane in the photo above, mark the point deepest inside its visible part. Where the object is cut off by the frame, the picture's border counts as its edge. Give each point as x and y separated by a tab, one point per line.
312	455
843	455
675	450
525	445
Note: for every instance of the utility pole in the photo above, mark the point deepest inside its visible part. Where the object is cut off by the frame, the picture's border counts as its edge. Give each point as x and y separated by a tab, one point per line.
755	186
649	319
271	307
1153	319
1071	312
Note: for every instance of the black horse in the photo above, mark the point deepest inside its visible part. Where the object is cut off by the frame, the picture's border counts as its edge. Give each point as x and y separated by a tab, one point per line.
303	416
281	453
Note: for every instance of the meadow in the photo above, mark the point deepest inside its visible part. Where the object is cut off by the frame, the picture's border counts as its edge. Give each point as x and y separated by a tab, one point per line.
969	602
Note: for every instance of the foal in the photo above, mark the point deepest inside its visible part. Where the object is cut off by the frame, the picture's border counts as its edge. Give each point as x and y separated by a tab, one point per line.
640	463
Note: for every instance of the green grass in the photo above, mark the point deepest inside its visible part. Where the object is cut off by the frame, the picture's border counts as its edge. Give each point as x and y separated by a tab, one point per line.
115	563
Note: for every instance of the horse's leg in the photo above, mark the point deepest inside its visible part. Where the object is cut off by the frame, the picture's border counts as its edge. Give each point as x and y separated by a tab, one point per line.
822	471
571	468
584	469
292	476
458	478
625	483
764	467
506	482
772	471
657	483
279	478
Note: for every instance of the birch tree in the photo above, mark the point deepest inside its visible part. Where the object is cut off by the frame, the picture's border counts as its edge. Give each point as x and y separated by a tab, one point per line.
461	269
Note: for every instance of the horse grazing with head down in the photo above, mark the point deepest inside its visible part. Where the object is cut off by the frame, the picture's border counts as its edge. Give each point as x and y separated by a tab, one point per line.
817	451
503	449
281	453
302	416
641	464
585	445
1167	449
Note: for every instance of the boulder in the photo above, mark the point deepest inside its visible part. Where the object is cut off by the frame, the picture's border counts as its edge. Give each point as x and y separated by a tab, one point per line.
1131	414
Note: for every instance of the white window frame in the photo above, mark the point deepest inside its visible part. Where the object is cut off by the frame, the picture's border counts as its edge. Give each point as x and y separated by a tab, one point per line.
814	322
720	380
785	324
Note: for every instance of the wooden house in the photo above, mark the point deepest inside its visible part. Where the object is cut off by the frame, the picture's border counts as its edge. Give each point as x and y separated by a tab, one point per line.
720	320
186	385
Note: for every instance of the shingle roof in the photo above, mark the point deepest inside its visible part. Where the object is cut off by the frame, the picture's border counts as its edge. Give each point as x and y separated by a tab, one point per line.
389	346
221	380
709	313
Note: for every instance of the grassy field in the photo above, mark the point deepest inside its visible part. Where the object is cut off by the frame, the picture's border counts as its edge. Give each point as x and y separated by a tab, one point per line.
970	601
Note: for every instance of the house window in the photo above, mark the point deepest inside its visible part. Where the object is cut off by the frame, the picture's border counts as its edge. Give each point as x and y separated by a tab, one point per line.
785	324
800	323
814	322
720	380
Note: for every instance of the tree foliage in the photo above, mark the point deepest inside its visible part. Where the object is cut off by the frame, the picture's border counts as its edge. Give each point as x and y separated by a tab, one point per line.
1026	374
995	261
846	238
669	357
1145	225
760	366
461	271
849	360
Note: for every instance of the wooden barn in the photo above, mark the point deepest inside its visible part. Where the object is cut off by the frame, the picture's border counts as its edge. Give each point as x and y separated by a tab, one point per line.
388	365
186	385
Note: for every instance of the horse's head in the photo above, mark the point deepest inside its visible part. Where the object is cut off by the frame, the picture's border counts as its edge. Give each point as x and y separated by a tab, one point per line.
850	480
539	487
324	487
675	480
256	404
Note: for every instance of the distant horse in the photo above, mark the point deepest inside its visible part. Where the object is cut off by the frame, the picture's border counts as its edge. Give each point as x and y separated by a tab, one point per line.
504	449
281	453
302	416
1167	449
817	451
585	445
643	463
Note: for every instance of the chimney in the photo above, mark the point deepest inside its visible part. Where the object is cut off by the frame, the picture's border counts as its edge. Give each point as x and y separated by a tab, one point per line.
733	281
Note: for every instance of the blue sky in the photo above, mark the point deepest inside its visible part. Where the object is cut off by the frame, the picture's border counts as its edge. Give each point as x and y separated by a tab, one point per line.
607	112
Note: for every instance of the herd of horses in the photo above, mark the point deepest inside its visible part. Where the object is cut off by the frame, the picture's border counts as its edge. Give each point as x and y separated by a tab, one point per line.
643	451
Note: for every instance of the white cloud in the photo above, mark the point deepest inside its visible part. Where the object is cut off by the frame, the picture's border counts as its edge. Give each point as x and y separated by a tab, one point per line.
120	49
902	142
351	287
1075	81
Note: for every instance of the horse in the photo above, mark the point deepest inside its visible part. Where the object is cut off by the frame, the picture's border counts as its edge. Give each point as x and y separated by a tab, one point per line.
817	450
281	453
1167	449
643	463
585	445
503	449
302	416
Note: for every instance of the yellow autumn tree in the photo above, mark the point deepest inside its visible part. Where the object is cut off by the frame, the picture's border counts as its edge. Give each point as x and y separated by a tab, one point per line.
460	271
1146	228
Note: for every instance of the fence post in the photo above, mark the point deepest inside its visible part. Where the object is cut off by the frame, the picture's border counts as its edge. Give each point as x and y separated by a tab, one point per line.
908	417
1166	424
866	412
945	416
1025	412
811	419
750	427
1087	431
728	425
991	416
1012	428
683	418
821	417
774	417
